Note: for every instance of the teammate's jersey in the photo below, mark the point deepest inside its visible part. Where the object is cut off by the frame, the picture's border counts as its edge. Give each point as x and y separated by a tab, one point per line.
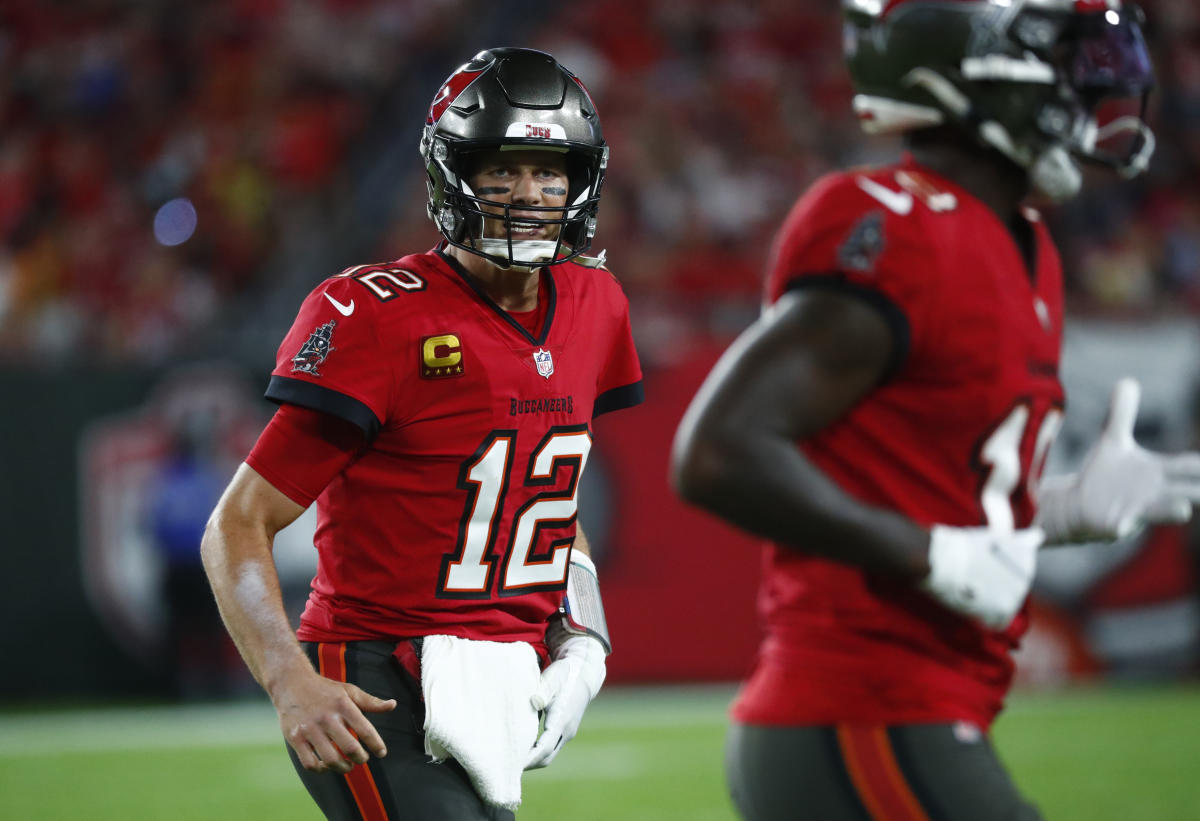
955	434
458	515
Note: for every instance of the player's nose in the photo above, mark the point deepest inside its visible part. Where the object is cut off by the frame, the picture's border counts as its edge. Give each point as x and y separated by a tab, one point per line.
527	190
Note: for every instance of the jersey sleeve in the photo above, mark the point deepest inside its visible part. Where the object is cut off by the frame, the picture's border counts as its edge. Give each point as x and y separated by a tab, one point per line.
300	451
331	359
620	381
859	235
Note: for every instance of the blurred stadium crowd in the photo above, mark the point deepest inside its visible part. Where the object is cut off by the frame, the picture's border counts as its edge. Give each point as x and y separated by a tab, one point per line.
163	166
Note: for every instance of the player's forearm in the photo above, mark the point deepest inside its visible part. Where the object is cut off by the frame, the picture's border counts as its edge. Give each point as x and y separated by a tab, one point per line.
765	485
581	543
237	558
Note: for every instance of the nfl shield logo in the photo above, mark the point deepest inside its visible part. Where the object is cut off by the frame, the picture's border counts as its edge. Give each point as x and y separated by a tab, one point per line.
544	362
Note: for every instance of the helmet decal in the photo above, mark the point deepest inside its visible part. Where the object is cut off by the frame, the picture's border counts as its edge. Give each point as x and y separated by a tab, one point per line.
448	93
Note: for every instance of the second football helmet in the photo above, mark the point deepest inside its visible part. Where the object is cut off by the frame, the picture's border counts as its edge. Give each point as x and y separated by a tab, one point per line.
513	98
1025	77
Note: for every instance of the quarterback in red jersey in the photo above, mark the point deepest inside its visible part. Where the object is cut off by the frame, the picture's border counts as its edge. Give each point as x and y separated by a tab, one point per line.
885	422
438	410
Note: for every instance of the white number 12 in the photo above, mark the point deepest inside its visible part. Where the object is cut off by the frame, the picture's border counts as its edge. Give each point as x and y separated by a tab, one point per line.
468	571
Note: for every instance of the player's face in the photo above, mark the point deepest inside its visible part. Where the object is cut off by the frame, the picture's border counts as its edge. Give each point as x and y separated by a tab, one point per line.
516	178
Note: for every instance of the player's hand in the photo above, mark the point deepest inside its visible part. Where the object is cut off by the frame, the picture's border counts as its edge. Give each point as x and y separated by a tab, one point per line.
982	572
1121	486
566	688
323	721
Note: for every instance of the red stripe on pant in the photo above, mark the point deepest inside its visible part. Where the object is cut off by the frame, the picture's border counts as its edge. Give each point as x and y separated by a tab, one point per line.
359	779
876	775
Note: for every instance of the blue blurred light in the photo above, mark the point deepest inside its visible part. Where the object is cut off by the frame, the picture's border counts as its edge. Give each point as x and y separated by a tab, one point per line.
175	222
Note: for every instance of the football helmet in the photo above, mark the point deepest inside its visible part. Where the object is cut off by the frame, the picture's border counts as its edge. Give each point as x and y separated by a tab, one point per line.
1025	77
514	98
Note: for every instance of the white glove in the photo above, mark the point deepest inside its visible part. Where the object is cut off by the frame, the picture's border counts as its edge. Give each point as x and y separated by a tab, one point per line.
982	572
566	688
1121	486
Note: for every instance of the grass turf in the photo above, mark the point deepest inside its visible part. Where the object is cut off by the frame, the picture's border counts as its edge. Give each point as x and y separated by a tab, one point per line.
653	754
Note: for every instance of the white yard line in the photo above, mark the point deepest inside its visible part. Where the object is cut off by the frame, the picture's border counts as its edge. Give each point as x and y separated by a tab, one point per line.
254	723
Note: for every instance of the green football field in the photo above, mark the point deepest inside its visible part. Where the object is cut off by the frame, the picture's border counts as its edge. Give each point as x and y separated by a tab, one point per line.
1128	754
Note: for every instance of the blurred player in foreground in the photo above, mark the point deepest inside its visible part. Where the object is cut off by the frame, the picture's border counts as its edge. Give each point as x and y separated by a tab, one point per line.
438	408
885	421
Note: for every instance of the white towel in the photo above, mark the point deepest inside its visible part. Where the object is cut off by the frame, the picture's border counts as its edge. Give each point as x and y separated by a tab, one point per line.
478	710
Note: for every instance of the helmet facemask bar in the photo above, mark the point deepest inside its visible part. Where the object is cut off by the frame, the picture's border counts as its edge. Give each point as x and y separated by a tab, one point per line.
463	214
1107	59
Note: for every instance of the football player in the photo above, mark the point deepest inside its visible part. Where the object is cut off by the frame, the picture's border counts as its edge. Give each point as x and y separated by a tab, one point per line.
438	409
884	423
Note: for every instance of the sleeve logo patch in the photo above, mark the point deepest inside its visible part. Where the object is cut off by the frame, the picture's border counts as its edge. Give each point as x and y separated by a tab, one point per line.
441	356
864	244
313	352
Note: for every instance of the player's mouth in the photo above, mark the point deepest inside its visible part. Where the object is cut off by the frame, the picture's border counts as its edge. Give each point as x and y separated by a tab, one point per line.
526	230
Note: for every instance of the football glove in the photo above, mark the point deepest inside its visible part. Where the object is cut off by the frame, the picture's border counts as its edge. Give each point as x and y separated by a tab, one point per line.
981	572
1121	486
567	686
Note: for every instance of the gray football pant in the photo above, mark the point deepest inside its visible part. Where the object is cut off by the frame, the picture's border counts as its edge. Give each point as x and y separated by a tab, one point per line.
920	772
402	784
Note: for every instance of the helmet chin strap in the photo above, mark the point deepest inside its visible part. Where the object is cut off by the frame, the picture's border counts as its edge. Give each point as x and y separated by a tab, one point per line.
523	251
528	251
1055	174
1052	171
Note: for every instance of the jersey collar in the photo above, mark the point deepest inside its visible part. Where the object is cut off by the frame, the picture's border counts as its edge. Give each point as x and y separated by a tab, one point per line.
551	295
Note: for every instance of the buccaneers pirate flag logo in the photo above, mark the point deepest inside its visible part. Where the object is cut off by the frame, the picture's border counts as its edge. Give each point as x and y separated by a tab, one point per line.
313	352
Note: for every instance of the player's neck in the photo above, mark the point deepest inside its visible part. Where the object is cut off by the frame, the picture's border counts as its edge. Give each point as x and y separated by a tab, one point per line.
990	177
509	288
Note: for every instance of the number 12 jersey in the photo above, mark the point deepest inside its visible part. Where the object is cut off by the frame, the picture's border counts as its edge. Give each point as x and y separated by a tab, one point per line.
458	515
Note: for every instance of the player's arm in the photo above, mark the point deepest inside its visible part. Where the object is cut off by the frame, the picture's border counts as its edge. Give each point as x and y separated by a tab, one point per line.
804	364
320	718
578	643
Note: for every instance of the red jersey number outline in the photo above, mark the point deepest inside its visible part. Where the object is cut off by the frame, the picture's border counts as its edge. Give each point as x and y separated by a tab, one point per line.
468	572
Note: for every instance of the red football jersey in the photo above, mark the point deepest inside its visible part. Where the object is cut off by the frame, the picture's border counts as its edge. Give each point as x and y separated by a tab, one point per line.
459	515
956	434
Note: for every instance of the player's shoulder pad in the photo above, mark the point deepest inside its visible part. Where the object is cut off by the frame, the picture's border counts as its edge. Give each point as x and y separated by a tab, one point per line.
902	194
896	201
597	279
383	282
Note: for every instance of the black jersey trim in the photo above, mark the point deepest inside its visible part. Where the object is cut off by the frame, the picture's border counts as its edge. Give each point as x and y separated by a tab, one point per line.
625	396
293	391
892	314
551	293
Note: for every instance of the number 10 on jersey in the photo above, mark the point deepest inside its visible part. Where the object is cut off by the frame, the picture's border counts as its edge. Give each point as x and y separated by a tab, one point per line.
469	571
